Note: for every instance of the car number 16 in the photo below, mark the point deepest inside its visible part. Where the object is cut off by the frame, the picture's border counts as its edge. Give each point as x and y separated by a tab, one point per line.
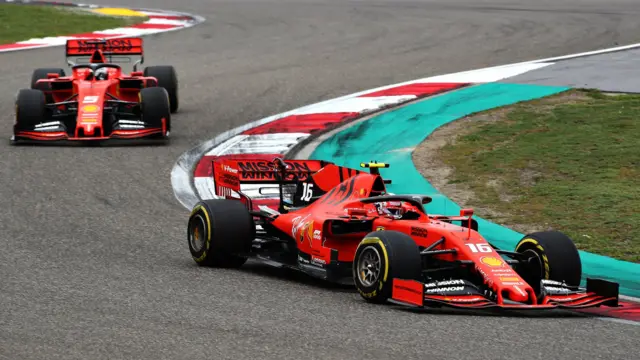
307	192
483	248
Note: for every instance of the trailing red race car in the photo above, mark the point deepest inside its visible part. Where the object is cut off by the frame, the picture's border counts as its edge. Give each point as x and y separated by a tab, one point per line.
340	224
98	101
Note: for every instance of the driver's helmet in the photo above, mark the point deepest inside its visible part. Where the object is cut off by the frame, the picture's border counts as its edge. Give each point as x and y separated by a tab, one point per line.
393	208
102	74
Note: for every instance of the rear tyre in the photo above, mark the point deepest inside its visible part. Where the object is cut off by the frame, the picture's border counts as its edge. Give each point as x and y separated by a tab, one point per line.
219	232
168	79
30	109
154	106
551	255
382	256
41	73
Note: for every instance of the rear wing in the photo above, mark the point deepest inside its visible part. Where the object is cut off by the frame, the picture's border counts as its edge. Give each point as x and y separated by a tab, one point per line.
120	50
228	175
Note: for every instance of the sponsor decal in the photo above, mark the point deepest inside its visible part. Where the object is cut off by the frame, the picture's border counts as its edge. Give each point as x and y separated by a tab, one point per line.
502	271
90	108
117	45
90	120
450	282
511	278
488	280
519	283
89	99
265	170
552	282
299	224
302	260
229	169
557	289
318	261
418	231
230	180
492	261
379	228
317	235
445	289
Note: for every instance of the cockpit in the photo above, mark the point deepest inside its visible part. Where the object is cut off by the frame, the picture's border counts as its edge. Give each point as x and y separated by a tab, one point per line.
99	72
97	69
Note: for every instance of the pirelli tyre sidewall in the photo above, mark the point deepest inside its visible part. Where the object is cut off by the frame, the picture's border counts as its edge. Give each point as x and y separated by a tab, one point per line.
154	106
30	109
558	256
399	257
167	79
218	232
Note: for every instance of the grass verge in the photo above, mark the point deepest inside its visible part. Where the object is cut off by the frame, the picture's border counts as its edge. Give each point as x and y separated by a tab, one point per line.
569	162
24	22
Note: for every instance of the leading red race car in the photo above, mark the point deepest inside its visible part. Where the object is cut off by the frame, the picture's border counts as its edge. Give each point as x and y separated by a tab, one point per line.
98	101
340	224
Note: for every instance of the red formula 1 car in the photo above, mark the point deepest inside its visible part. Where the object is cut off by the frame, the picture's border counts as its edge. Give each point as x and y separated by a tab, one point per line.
98	101
340	224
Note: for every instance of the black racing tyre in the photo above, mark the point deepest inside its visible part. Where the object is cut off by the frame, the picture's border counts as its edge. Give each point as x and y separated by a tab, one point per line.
219	231
41	73
382	256
552	256
168	79
154	106
30	108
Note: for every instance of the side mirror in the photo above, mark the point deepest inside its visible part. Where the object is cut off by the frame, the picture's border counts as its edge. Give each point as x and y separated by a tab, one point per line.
52	76
466	212
137	73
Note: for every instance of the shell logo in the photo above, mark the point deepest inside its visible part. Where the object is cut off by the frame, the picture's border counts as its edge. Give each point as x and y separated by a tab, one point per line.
492	261
90	108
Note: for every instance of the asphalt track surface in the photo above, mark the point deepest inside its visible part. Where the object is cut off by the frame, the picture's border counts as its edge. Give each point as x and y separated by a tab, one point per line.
94	261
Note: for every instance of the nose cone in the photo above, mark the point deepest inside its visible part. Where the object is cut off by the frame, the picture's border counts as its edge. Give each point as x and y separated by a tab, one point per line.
516	293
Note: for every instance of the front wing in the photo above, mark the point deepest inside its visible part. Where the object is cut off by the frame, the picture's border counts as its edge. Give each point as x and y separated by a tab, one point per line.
414	293
122	129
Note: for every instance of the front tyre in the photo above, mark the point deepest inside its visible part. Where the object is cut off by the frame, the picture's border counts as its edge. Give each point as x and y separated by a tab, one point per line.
154	107
550	255
380	257
30	109
168	79
220	232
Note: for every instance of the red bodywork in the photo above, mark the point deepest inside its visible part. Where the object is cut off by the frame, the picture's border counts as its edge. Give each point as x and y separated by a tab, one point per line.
90	96
343	201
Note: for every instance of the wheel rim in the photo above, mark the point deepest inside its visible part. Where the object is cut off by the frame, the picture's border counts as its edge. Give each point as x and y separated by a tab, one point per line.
197	234
535	262
369	265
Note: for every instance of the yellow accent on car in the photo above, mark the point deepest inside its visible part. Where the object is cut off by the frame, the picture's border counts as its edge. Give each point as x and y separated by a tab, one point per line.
375	240
208	243
374	165
545	260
